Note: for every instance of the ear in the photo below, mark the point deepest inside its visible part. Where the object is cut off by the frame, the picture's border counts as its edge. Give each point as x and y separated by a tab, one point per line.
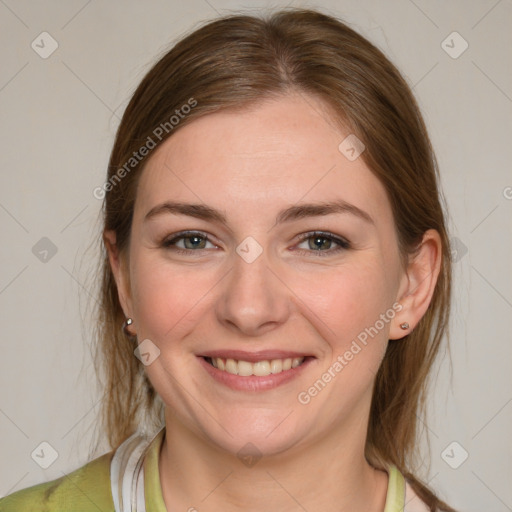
118	264
418	284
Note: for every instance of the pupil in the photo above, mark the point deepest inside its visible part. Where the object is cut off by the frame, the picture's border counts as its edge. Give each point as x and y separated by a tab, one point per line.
319	244
193	241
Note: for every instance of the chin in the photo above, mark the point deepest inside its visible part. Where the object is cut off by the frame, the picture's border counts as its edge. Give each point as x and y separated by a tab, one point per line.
251	431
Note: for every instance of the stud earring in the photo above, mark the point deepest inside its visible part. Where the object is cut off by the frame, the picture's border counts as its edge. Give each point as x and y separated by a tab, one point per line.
126	324
404	326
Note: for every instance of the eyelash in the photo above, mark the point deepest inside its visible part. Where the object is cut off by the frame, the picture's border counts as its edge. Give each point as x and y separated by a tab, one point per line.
343	244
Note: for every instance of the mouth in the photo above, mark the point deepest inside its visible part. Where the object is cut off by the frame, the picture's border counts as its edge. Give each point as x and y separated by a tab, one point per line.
244	371
261	368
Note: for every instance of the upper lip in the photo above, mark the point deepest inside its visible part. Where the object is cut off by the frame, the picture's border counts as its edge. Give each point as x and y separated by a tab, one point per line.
252	357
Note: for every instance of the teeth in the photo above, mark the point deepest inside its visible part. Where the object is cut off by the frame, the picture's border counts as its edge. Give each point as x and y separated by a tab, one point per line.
276	366
296	361
259	368
231	366
244	368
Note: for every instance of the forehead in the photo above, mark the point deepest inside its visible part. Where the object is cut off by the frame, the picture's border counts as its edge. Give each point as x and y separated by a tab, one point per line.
279	152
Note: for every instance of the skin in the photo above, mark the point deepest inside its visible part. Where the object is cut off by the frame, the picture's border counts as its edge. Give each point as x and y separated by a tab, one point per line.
250	165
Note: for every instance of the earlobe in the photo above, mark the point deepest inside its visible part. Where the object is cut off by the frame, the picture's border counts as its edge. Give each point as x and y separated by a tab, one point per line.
118	267
419	284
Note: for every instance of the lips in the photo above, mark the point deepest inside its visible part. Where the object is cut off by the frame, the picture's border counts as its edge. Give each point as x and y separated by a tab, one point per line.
254	371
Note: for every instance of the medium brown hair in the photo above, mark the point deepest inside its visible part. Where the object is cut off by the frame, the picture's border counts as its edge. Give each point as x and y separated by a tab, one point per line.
236	61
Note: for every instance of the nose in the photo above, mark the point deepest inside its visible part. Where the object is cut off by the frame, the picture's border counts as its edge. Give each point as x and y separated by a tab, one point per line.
253	299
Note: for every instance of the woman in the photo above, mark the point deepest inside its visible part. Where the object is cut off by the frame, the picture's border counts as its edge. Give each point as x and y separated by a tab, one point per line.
276	280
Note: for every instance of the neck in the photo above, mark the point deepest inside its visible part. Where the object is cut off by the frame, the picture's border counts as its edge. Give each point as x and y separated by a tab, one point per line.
330	474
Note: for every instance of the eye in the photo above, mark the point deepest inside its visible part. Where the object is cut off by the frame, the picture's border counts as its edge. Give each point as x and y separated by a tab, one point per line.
322	243
186	242
318	243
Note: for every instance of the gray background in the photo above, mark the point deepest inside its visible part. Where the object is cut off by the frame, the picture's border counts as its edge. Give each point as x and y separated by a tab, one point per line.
59	115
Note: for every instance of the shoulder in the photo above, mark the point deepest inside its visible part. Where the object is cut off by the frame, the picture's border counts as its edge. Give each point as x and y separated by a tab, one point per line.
86	489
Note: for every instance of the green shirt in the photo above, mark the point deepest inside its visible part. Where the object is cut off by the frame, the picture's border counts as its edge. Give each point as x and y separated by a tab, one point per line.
88	489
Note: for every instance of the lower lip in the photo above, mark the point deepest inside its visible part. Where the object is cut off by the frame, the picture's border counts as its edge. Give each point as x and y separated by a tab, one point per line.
254	382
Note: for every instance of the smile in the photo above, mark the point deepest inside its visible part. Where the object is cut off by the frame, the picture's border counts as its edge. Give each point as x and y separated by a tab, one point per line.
254	371
258	368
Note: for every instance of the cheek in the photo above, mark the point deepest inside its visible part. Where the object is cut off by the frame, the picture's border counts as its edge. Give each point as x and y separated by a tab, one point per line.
347	299
167	301
351	307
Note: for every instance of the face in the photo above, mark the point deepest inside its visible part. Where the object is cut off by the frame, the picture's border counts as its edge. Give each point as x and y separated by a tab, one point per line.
258	272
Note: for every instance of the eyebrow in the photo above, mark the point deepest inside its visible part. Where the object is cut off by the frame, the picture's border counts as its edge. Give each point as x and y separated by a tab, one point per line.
295	212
